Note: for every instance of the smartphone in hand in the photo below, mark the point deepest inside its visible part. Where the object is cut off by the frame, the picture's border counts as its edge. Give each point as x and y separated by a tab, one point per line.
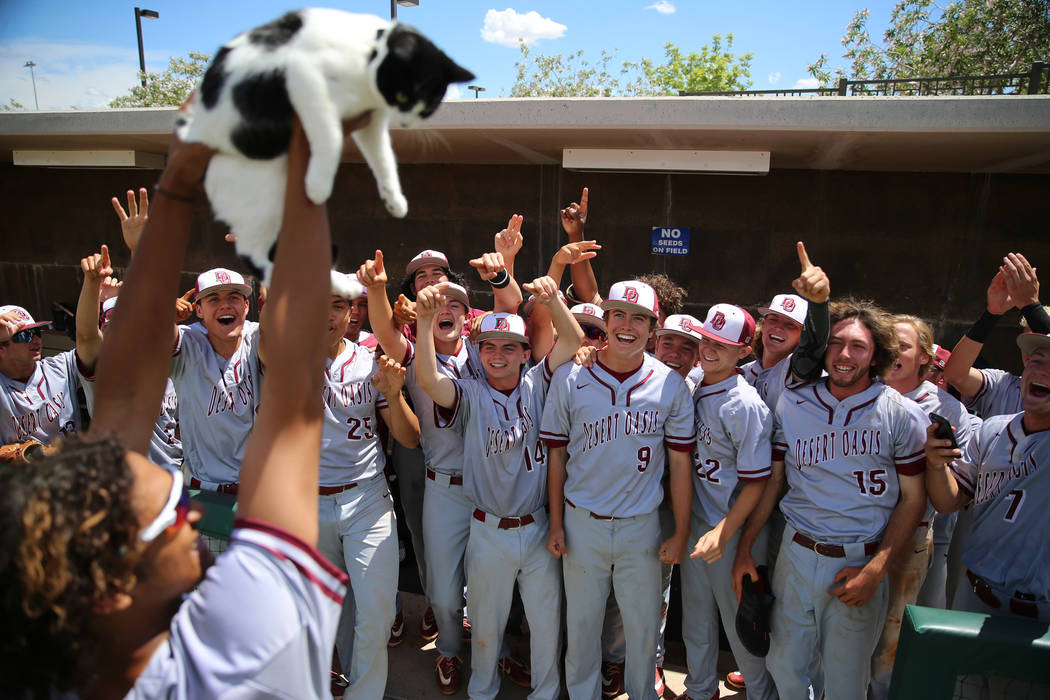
944	429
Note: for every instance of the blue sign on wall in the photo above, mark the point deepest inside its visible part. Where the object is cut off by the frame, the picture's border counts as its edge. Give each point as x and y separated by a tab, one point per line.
670	241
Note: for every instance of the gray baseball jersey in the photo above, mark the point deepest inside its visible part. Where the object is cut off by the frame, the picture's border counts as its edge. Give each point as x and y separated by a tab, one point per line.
999	395
1001	469
350	446
261	624
45	407
218	399
842	458
504	462
734	430
769	383
442	449
616	430
165	447
933	399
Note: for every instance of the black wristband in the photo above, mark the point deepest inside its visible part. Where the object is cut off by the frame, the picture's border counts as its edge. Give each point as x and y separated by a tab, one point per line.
1038	319
501	280
171	195
979	331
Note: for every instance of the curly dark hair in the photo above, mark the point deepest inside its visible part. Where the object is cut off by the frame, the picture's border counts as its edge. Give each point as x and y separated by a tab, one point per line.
878	322
70	540
454	277
670	296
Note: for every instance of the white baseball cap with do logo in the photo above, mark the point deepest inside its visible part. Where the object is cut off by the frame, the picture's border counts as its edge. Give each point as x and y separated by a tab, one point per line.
791	305
729	325
503	326
219	279
633	295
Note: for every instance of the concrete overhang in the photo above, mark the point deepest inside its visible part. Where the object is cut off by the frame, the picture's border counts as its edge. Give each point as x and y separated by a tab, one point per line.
988	134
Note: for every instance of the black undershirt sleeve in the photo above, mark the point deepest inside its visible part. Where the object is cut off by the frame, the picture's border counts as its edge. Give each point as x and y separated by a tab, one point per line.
808	360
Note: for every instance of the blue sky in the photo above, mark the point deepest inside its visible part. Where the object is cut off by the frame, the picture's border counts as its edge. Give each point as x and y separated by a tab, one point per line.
86	52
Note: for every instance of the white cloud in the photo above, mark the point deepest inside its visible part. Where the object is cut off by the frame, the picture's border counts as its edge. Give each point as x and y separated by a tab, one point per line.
507	27
807	83
774	78
664	7
86	76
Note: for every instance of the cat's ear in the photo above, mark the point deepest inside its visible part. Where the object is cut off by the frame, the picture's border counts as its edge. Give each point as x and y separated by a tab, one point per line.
403	44
455	73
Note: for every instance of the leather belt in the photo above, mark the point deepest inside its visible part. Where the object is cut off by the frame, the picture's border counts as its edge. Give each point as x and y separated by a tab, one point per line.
504	523
332	490
221	488
593	515
825	549
453	479
1020	604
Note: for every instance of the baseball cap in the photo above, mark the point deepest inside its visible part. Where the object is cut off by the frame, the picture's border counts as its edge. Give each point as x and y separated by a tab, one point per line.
633	295
752	615
346	286
426	257
455	291
503	326
589	314
1030	342
791	305
681	324
26	320
728	324
941	356
218	279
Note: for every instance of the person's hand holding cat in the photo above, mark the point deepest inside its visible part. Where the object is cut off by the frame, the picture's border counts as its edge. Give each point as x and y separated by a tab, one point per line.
372	273
183	176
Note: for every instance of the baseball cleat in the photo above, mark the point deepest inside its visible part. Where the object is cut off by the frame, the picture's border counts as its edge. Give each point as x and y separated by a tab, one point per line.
428	628
612	678
516	672
735	680
397	631
449	675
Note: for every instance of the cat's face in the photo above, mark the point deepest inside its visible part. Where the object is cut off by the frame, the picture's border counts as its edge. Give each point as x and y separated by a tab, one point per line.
414	75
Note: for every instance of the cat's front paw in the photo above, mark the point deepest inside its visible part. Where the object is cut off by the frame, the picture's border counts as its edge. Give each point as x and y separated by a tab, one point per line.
396	204
318	188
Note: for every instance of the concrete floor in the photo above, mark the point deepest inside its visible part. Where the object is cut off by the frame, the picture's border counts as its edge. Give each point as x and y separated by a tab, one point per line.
411	674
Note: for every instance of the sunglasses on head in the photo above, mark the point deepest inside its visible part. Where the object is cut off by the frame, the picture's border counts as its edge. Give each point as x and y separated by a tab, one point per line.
173	514
26	336
592	332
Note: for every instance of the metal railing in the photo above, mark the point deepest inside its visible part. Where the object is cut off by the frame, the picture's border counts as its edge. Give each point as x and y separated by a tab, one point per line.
1034	82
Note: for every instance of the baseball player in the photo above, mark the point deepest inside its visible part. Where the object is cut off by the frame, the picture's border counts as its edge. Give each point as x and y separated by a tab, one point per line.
165	447
678	346
505	479
357	531
851	450
38	397
731	468
263	622
446	507
611	430
999	472
214	366
907	573
993	392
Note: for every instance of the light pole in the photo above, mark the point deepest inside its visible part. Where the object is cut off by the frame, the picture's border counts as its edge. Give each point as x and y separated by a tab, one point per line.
32	73
139	14
403	3
476	89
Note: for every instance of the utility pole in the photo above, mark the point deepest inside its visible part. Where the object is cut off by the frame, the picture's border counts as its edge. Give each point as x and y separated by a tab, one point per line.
139	14
30	65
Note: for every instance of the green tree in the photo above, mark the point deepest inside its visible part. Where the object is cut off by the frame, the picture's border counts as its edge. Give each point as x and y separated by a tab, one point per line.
13	106
170	88
713	68
968	37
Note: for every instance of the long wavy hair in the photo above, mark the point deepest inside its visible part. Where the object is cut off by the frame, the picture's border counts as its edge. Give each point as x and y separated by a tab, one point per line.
879	322
69	542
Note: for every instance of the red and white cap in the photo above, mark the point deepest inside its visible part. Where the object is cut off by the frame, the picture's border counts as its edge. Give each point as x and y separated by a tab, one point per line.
791	305
633	295
589	314
452	290
1030	342
941	355
503	326
25	320
681	324
728	324
219	279
426	257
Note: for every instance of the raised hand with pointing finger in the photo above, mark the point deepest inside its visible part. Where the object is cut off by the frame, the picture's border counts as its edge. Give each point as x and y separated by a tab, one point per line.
574	216
372	273
812	284
184	305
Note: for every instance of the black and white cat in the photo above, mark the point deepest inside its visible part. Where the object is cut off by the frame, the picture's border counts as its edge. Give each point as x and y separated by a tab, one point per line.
324	65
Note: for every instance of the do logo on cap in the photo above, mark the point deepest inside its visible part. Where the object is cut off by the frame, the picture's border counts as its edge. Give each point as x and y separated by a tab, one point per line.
718	321
502	324
630	294
789	304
